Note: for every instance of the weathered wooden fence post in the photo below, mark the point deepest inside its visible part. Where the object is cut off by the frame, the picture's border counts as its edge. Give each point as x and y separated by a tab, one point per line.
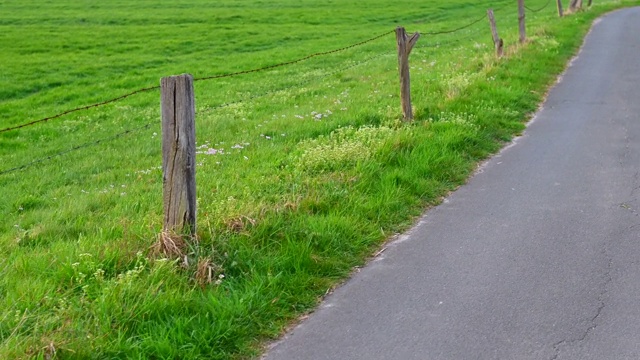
574	5
499	43
560	11
405	45
178	154
521	24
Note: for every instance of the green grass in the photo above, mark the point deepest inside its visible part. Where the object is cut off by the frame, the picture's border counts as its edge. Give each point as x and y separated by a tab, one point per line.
313	168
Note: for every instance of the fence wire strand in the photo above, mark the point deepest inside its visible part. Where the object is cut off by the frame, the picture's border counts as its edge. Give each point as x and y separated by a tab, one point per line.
294	61
76	148
80	109
217	107
197	79
456	29
287	87
540	9
451	31
441	44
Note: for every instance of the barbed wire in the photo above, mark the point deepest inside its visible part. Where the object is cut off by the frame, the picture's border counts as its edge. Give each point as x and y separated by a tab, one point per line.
196	79
233	74
540	9
432	33
454	30
81	108
146	126
76	148
302	82
468	25
294	61
446	43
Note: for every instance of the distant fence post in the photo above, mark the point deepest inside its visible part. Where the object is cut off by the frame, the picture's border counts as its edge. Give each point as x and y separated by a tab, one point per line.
405	45
560	11
178	154
497	42
521	24
574	5
589	4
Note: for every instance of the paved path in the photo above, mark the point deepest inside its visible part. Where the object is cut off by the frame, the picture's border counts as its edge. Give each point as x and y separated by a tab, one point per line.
537	257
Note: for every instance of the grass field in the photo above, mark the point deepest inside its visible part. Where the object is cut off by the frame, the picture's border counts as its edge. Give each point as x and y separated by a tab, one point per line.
303	170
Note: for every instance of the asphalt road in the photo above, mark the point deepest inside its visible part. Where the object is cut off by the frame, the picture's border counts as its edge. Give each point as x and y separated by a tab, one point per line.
537	257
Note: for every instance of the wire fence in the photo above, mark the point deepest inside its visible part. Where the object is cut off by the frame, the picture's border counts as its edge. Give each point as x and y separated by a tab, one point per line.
466	26
233	74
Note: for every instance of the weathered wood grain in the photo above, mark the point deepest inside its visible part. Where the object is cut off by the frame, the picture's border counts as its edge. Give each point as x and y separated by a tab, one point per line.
497	41
178	154
405	45
560	10
521	21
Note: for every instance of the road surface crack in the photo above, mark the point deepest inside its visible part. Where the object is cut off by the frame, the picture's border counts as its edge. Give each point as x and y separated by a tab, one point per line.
557	347
636	183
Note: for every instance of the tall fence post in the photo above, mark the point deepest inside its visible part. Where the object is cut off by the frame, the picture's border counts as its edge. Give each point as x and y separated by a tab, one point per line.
497	42
521	23
560	11
178	154
405	45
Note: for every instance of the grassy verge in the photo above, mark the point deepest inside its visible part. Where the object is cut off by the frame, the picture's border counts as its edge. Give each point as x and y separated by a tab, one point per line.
302	170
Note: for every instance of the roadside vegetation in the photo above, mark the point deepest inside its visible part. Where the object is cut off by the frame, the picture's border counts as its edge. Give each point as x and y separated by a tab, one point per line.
303	170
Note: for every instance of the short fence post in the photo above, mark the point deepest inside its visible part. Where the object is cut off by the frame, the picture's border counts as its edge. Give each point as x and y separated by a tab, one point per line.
405	45
499	43
560	11
589	4
574	5
178	154
521	15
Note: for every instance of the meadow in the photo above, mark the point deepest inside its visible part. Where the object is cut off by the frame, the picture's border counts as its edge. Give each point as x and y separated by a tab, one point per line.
303	171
